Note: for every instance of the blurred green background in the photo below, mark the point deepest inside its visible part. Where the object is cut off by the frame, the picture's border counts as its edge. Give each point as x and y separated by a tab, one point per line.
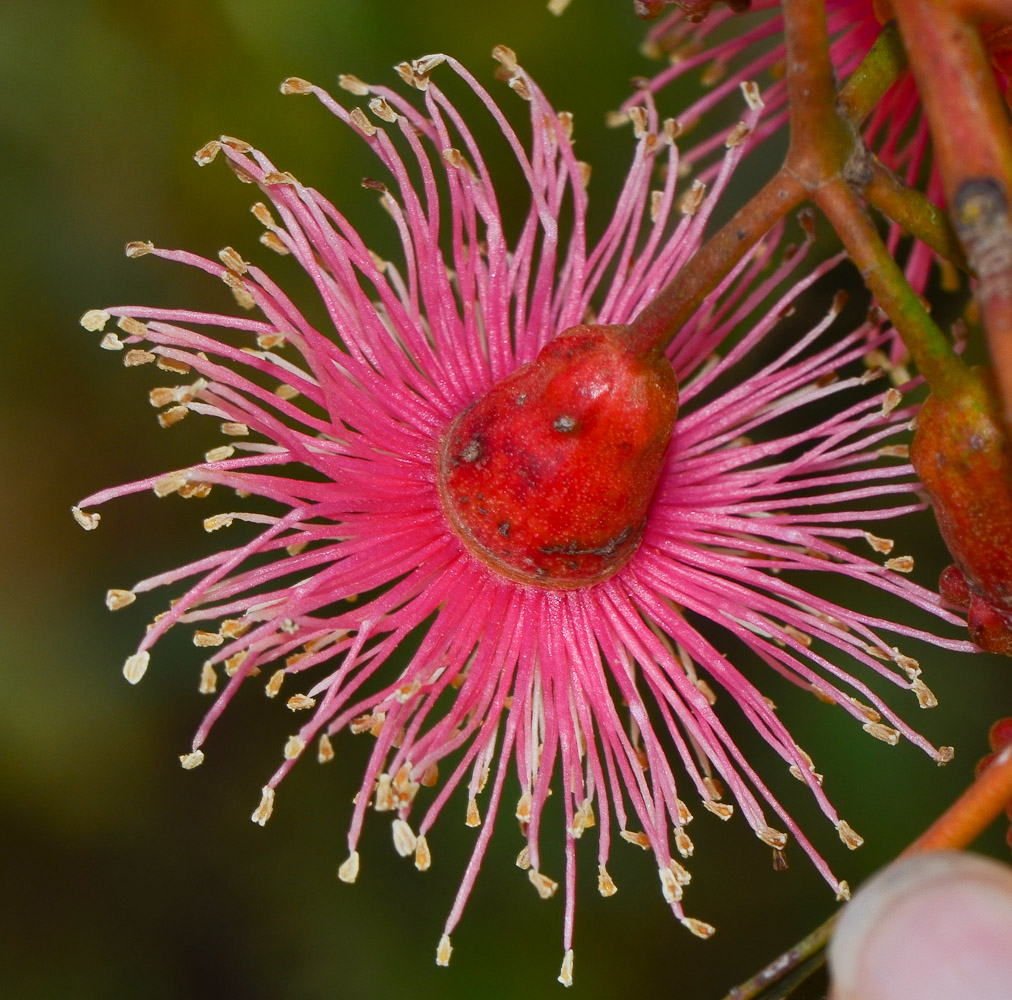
124	876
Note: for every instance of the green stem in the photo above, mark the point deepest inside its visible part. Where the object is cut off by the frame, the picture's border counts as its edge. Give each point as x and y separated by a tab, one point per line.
919	216
878	71
928	346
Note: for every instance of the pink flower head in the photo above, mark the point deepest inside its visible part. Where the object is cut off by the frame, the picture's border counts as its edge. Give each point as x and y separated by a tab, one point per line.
726	48
606	691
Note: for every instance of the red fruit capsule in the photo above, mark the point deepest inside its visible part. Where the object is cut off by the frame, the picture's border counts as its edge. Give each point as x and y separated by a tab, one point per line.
548	477
962	454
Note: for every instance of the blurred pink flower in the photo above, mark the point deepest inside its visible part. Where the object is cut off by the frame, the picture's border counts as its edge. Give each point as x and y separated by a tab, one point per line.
605	690
726	47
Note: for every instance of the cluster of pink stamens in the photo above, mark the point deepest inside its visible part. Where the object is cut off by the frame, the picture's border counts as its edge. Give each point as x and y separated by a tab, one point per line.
608	691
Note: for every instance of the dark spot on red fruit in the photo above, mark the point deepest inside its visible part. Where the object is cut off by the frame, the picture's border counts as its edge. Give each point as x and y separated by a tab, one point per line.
471	452
564	424
504	529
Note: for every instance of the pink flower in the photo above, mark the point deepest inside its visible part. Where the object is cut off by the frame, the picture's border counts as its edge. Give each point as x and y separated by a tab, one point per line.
605	691
754	47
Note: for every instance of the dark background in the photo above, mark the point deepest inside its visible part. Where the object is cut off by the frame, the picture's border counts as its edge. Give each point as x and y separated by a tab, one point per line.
122	875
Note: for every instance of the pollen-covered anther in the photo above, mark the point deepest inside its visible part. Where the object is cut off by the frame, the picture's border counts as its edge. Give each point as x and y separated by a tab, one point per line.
671	129
324	750
138	248
234	662
275	243
519	85
360	119
698	927
638	117
907	664
208	678
453	157
240	292
423	856
943	755
196	491
348	870
583	819
232	428
890	401
523	812
202	638
296	85
473	817
800	775
110	342
384	798
299	702
506	57
882	732
352	84
750	91
407	691
684	815
382	110
207	152
136	357
870	714
774	838
656	204
274	684
404	787
848	835
371	722
605	883
294	746
163	395
714	73
546	887
172	415
925	696
895	451
132	327
636	837
683	843
901	564
566	972
523	861
167	485
443	951
722	810
170	364
691	201
191	760
795	633
883	545
94	320
670	888
216	521
281	178
136	665
116	599
737	135
405	840
263	811
231	259
842	891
